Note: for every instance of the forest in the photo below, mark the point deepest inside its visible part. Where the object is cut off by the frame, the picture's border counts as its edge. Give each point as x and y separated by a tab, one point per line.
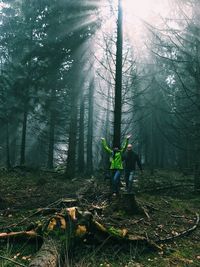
74	73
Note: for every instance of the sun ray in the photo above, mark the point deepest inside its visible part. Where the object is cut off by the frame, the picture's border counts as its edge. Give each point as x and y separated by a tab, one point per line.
137	8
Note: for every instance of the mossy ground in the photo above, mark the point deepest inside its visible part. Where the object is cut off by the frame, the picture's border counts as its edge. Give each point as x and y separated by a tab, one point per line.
167	196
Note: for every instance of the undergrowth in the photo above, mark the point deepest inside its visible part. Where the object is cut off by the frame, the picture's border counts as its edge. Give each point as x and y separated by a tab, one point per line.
168	196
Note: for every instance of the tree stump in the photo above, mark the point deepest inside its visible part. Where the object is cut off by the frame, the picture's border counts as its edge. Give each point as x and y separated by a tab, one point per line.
128	203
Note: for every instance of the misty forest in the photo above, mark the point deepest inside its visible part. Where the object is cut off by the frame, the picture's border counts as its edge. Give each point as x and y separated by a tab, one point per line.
100	133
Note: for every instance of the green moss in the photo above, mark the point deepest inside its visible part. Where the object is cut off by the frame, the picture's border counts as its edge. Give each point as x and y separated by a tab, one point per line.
115	232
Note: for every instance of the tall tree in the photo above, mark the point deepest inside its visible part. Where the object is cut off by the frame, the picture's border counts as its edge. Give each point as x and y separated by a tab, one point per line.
81	139
90	126
118	80
74	97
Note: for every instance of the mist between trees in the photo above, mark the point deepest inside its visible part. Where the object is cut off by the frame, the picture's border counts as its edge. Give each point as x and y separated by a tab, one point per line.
57	85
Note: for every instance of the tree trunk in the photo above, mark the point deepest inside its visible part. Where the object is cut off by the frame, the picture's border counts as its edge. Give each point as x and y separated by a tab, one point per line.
8	165
118	81
51	140
90	129
81	162
23	140
197	177
13	153
106	156
48	255
75	87
152	149
70	171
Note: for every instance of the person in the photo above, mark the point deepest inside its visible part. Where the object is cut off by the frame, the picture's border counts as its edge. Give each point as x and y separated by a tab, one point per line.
130	161
116	163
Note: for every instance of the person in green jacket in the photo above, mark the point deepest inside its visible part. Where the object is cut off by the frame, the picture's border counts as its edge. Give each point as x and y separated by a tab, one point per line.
116	163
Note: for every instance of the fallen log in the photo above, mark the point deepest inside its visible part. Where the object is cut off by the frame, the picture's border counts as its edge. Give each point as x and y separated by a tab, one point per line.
63	229
77	224
48	255
58	233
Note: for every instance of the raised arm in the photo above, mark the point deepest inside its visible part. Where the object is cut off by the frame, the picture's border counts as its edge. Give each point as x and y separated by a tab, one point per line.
105	146
125	143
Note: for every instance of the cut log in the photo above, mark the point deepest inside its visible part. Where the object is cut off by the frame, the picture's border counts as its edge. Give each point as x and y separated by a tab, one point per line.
48	255
59	233
62	229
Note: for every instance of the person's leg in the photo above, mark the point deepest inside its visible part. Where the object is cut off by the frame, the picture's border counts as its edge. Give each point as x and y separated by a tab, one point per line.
113	182
116	181
130	181
127	173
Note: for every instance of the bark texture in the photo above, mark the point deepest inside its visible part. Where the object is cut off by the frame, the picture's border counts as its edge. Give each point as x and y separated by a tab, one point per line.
48	255
128	203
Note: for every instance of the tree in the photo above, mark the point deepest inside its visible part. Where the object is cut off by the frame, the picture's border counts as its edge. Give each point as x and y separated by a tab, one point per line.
81	139
118	81
90	126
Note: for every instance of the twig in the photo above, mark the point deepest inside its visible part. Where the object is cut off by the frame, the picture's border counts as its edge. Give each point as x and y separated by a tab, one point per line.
137	221
178	216
20	222
165	187
183	233
148	206
146	213
17	263
30	234
33	214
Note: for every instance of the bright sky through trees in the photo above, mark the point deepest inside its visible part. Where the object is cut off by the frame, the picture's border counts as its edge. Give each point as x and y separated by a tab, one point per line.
135	14
144	8
140	8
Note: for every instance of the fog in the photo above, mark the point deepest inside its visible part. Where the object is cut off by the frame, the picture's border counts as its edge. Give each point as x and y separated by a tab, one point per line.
58	74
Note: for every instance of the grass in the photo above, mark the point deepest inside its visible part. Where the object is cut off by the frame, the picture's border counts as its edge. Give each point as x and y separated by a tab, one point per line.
15	254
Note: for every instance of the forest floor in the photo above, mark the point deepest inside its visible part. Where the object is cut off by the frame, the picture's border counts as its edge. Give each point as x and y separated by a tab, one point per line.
168	198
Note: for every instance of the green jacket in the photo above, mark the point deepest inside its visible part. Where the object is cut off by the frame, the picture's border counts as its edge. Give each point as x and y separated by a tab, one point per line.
116	159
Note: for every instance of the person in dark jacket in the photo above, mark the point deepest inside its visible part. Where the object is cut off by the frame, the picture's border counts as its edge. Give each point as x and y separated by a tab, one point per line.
130	161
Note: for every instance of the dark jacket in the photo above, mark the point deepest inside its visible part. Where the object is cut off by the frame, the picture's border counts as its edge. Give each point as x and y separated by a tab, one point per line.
130	160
